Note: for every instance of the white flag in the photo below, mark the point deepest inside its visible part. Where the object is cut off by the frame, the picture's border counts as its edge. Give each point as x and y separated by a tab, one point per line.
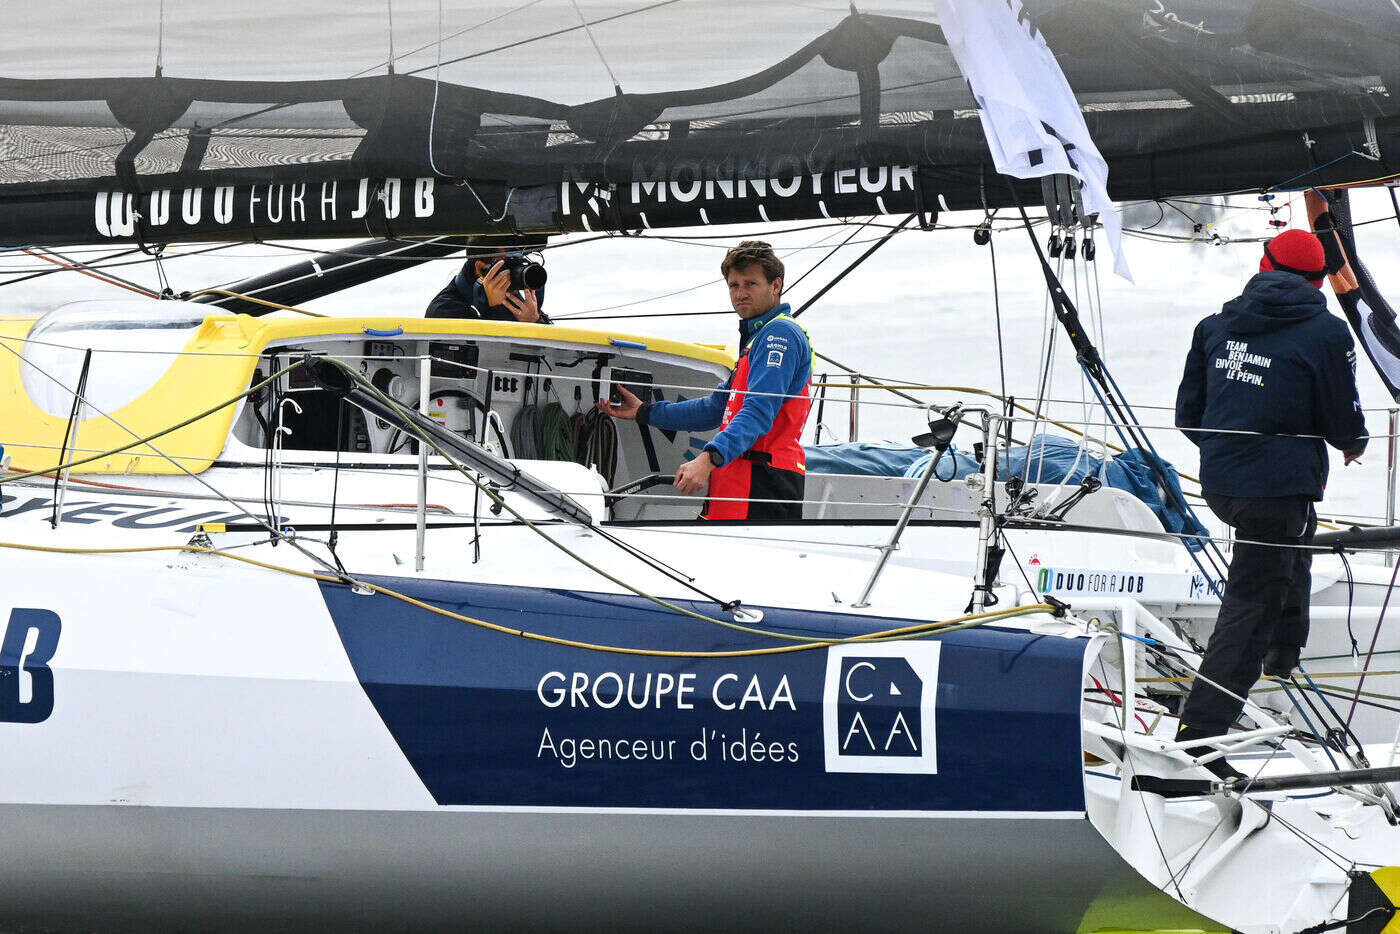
1029	115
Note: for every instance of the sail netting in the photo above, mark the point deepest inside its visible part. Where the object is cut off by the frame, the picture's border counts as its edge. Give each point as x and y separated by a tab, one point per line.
190	119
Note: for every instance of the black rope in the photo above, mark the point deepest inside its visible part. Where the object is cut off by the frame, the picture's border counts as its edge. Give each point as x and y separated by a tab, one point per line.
1110	397
851	236
1351	599
70	432
1371	651
334	535
859	259
996	304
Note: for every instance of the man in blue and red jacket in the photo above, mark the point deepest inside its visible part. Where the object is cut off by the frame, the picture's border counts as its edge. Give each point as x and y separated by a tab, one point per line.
1267	381
755	468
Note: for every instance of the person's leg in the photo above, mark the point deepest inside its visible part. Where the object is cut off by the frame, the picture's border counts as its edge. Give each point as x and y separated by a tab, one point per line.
777	494
1291	634
1259	577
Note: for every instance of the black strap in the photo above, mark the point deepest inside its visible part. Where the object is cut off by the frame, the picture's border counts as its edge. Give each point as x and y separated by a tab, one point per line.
1283	267
653	464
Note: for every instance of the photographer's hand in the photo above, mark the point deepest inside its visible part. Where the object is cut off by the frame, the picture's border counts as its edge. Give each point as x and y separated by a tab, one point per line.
525	306
496	282
628	407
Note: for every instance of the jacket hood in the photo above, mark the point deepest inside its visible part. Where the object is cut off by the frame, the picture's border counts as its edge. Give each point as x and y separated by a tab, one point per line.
1273	300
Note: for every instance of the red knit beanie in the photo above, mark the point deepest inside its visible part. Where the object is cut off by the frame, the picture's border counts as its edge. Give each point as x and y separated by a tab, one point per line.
1296	251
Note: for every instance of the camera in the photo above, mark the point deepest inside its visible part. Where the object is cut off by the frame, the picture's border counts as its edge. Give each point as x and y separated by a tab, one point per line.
524	273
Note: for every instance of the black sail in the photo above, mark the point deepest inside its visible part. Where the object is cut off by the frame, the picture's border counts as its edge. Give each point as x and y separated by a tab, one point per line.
403	118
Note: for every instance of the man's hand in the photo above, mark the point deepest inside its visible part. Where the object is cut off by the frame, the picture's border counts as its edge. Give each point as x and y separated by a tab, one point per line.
694	475
496	282
627	409
1351	457
525	306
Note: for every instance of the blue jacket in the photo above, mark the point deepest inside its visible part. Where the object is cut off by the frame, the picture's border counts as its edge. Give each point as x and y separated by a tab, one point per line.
1273	361
780	363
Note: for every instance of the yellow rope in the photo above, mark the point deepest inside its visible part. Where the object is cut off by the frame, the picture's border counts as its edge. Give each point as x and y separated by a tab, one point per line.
258	301
928	629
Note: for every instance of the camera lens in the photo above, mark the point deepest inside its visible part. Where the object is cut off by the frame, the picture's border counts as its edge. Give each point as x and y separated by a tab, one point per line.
531	276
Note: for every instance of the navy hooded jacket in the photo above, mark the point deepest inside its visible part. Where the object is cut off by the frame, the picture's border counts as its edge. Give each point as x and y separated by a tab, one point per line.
1272	361
464	297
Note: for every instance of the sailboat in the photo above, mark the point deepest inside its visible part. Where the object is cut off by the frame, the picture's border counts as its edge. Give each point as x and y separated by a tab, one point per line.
373	621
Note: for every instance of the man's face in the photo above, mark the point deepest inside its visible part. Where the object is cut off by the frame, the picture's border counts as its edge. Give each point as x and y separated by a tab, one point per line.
751	293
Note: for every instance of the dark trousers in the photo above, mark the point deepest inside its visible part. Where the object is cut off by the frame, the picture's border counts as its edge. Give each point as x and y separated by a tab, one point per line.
1265	603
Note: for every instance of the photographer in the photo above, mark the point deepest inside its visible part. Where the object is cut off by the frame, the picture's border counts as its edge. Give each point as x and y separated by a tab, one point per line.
481	289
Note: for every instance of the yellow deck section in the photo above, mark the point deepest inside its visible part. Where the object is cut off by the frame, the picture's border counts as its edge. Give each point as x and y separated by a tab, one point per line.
200	379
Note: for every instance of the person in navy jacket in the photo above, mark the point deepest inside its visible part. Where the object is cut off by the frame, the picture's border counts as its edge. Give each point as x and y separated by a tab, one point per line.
1269	381
481	288
755	468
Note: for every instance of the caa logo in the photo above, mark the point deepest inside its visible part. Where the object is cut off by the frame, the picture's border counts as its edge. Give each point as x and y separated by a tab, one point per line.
878	708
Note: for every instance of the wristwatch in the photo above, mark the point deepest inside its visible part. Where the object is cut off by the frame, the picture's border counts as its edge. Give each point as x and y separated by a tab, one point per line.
715	458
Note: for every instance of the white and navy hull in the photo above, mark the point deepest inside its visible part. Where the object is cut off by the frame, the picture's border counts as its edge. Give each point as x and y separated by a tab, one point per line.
190	739
195	740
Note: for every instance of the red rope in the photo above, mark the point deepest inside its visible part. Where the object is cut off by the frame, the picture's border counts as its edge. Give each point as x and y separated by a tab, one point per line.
1119	701
88	272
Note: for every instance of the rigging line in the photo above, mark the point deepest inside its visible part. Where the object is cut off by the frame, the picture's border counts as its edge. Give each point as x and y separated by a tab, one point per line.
648	314
146	441
601	57
813	268
1108	392
1273	752
100	263
1322	738
1370	652
1019	567
391	36
1128	764
1393	202
315	272
333	537
1340	735
1311	171
461	32
588	313
437	86
58	259
39	273
996	304
423	438
258	301
160	39
931	629
859	259
547	35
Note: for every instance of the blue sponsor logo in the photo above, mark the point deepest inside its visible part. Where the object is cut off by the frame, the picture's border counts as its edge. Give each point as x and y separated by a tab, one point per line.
26	681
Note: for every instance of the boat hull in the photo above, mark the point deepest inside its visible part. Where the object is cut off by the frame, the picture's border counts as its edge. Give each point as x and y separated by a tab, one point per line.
156	868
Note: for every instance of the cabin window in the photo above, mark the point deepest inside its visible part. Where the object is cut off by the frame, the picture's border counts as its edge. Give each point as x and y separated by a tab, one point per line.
134	344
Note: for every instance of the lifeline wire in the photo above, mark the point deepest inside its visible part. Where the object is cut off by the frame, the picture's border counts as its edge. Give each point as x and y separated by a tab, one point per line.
277	533
936	628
